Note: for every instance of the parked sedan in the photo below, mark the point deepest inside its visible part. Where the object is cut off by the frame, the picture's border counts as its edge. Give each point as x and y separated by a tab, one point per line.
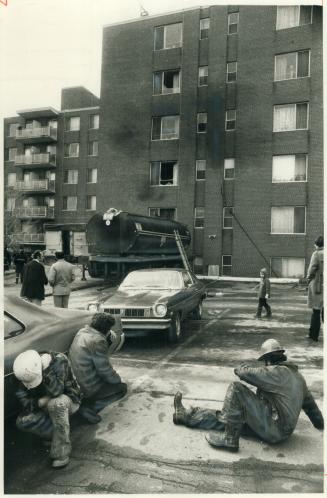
156	299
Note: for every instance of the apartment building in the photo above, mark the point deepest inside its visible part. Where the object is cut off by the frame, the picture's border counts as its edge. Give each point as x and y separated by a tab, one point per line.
213	116
51	173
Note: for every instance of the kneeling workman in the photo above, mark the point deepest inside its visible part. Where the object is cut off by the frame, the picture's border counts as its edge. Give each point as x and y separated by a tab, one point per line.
49	394
89	356
270	414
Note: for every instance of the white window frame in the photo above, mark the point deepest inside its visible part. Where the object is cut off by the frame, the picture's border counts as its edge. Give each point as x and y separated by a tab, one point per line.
225	168
291	129
91	116
198	122
206	70
91	144
298	16
159	208
178	90
224	265
231	24
69	123
286	257
231	72
175	174
91	197
10	203
165	35
161	120
202	28
67	171
197	169
197	217
11	184
12	153
67	197
69	149
96	174
13	126
230	216
289	233
291	181
228	120
296	65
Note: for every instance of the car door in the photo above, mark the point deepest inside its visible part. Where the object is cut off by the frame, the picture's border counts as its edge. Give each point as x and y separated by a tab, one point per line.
191	296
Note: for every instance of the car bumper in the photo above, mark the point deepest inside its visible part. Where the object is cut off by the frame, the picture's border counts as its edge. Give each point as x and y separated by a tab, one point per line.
145	324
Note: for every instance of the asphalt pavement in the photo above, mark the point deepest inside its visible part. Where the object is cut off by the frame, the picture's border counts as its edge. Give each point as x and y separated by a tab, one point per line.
136	448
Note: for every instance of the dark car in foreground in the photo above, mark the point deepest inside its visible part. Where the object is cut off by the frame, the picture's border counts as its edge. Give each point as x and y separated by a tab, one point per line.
155	299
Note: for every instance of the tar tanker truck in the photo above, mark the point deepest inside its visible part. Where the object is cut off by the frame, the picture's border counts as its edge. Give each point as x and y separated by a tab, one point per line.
119	242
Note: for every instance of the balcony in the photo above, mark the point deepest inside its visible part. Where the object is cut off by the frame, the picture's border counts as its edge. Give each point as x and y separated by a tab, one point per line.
41	186
28	238
44	160
37	134
44	212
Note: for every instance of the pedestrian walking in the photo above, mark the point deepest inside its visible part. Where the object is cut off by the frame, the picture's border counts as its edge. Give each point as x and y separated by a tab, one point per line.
89	355
263	294
270	414
315	277
19	262
61	275
34	280
49	394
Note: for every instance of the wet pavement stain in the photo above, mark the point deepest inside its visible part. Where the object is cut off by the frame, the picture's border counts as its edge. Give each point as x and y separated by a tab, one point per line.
161	416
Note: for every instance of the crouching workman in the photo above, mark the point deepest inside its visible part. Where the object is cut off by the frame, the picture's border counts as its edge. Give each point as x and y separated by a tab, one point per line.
89	356
270	414
49	394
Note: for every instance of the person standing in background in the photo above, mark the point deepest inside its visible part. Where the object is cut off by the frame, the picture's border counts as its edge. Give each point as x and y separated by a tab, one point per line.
315	279
19	262
263	294
61	275
34	280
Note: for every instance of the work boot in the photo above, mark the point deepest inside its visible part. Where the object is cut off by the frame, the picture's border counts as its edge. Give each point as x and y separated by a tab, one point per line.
58	464
179	417
89	415
226	441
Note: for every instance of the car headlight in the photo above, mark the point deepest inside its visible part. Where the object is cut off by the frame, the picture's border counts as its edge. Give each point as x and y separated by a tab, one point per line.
92	307
160	310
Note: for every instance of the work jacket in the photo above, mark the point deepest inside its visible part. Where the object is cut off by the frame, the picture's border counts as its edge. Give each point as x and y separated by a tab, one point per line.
61	275
57	379
316	279
264	287
89	356
284	389
34	280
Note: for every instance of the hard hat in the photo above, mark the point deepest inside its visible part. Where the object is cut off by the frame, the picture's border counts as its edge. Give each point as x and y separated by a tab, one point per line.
28	368
270	346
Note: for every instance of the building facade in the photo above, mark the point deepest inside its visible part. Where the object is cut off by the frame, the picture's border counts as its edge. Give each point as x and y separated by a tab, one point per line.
51	173
214	116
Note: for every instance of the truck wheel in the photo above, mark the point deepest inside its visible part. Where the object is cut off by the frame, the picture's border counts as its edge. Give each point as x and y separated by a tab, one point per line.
174	331
197	313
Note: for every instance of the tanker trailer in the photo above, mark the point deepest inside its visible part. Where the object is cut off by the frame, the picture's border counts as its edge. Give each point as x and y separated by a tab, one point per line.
119	242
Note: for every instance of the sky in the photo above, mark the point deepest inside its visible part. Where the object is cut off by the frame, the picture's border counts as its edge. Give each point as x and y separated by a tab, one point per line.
47	45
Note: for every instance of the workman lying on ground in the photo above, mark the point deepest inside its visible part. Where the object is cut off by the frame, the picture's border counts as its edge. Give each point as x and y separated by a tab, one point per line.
270	414
89	356
49	394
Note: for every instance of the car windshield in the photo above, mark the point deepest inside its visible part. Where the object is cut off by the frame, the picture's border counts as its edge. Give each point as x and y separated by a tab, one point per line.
152	280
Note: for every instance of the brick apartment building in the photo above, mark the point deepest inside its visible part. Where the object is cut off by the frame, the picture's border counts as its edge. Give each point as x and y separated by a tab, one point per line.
214	116
51	160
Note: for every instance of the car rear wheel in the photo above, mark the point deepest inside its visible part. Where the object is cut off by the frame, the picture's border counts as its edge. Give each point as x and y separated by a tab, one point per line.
197	313
174	331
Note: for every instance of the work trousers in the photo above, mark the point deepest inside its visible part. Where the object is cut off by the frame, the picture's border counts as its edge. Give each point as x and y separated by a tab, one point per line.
263	304
61	301
52	424
316	323
107	394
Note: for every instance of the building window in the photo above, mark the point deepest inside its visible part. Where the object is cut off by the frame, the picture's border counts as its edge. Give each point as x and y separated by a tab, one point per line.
229	169
290	117
231	72
287	267
94	121
198	264
201	169
292	65
73	123
203	76
91	202
11	202
165	128
69	203
13	128
163	173
289	168
230	123
228	214
166	82
166	213
11	179
11	154
93	148
226	264
292	16
199	217
204	28
233	23
72	150
202	122
71	176
92	175
288	219
169	36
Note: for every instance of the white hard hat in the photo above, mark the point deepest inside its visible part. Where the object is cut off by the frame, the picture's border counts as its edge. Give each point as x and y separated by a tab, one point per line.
28	368
270	346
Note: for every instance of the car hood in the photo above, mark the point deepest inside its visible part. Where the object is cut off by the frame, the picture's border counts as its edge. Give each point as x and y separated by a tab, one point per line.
138	297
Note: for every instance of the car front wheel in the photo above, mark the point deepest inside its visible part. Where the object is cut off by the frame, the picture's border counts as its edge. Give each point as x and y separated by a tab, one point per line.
197	313
174	331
